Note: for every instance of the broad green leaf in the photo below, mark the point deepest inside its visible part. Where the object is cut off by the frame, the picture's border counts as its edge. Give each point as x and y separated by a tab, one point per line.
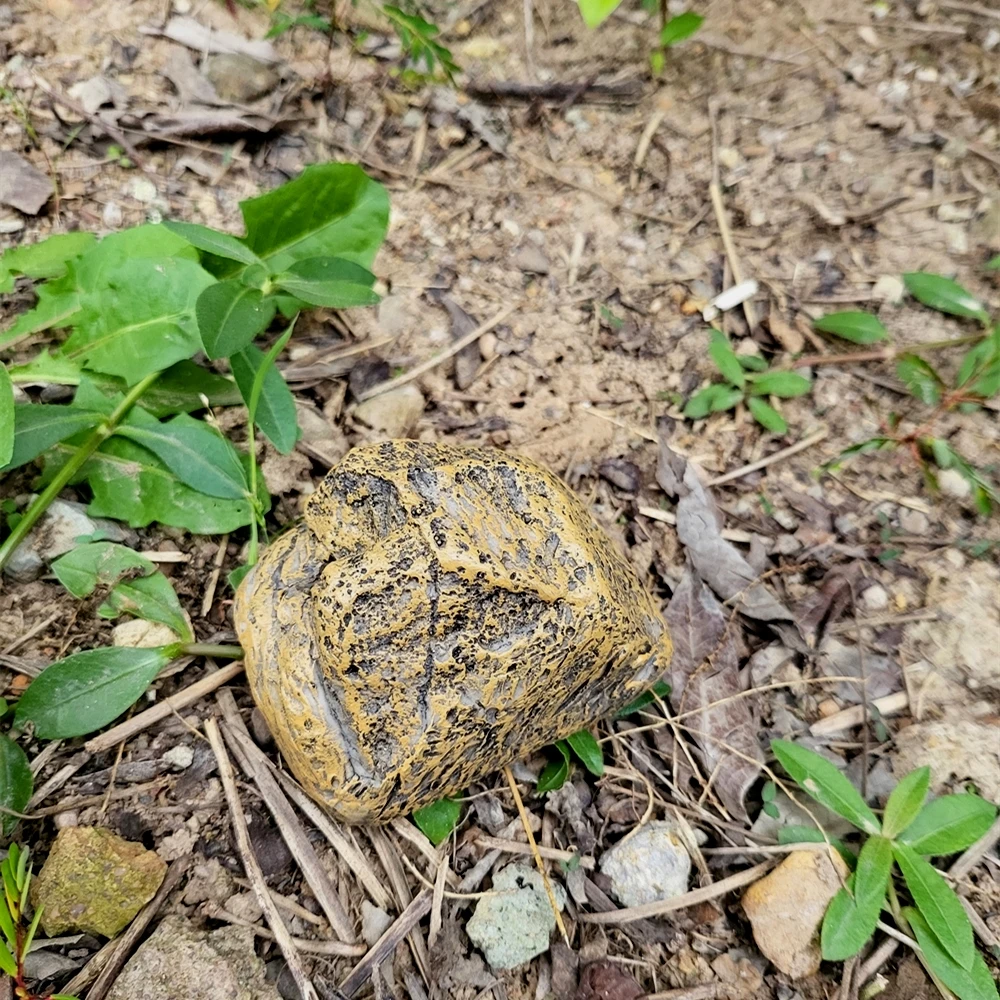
58	302
920	378
905	802
438	819
197	455
784	384
98	564
123	333
6	417
973	983
850	922
725	358
181	387
588	750
944	295
555	773
988	383
254	276
330	282
276	416
766	415
230	315
130	484
86	691
680	27
596	11
330	209
938	904
46	259
45	369
39	426
16	783
949	824
212	241
659	690
150	598
816	776
857	327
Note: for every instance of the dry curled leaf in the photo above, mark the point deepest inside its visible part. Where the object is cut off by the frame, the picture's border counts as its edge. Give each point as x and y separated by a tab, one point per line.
22	186
607	981
467	360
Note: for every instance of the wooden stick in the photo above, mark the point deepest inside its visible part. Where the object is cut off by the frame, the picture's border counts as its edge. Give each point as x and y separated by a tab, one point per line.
252	867
168	706
891	704
336	949
778	456
471	337
552	853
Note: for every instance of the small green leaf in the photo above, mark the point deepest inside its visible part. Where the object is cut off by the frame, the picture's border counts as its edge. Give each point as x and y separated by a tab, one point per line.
97	564
85	691
181	387
32	928
712	399
46	259
197	454
438	819
6	417
212	241
276	416
330	282
973	983
659	690
857	327
7	963
16	784
725	358
588	750
255	276
752	362
938	905
850	922
39	426
905	802
230	315
944	295
920	378
766	415
555	773
783	384
680	27
993	264
596	11
235	577
150	598
816	776
949	824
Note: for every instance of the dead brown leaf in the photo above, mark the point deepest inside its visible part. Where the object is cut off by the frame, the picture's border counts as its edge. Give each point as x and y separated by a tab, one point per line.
22	186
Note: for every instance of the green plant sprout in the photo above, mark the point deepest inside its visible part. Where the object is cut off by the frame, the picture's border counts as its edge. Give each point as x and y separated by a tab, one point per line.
747	380
17	938
892	864
976	379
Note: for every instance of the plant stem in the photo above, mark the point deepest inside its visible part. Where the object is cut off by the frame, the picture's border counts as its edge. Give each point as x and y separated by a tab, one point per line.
62	478
885	354
212	649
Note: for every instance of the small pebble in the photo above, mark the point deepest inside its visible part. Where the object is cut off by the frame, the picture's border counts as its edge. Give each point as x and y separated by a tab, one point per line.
179	757
875	598
954	484
142	189
914	522
69	818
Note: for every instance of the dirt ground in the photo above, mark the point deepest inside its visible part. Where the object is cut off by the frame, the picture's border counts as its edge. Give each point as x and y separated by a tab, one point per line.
852	142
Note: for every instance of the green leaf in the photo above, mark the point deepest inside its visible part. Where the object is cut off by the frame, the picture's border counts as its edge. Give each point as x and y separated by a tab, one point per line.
330	282
97	564
712	399
784	384
16	784
596	11
276	416
588	750
46	259
949	824
330	209
6	417
857	327
920	378
212	241
816	776
418	39
972	983
680	27
7	963
766	415
938	905
181	387
230	314
130	335
725	358
150	598
555	773
39	426
849	923
905	802
58	302
198	455
438	819
32	928
46	368
752	362
659	690
88	690
944	295
811	835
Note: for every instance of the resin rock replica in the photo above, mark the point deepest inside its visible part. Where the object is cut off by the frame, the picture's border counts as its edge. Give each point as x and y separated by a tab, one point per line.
440	612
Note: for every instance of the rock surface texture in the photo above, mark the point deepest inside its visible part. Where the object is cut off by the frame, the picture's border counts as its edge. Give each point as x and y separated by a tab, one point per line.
440	612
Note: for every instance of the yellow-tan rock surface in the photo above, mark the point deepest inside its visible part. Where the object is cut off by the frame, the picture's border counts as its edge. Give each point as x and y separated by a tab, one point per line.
439	612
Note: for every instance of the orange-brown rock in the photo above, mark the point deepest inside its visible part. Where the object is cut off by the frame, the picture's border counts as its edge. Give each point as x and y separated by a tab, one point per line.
440	612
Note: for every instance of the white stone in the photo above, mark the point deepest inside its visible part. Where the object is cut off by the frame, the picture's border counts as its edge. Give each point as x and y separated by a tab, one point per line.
954	484
179	757
139	634
650	865
875	598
